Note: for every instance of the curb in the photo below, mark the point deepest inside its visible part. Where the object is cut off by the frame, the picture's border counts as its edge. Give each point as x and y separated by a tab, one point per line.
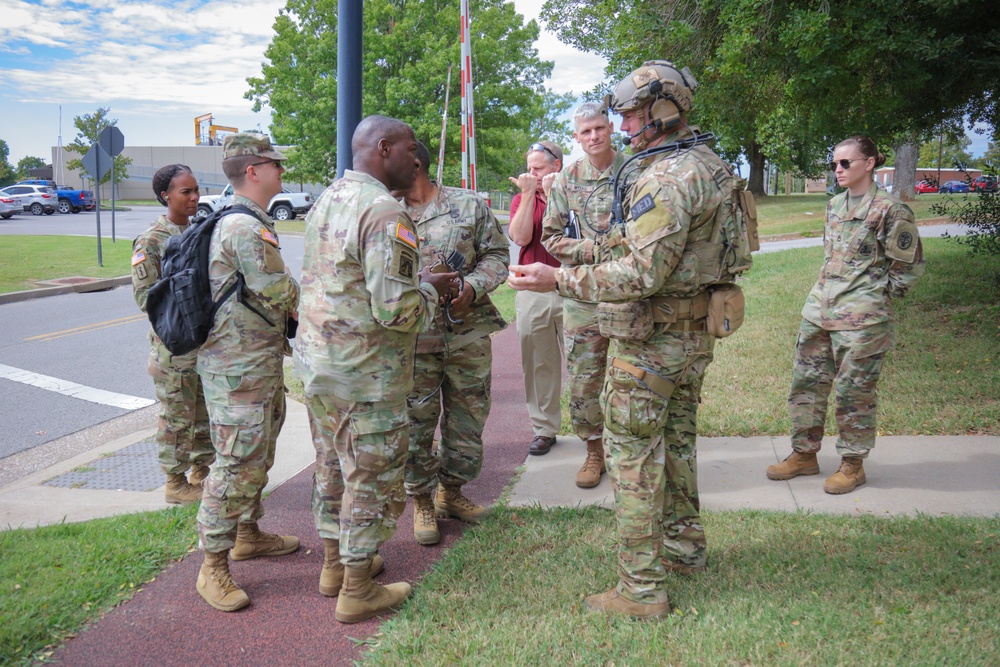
93	286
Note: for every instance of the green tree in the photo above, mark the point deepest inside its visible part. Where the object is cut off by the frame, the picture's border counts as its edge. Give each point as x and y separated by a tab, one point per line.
408	49
89	128
28	162
947	151
990	161
8	174
787	79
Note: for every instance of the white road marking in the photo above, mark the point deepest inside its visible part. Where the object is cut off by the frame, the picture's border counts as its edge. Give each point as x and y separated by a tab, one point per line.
73	389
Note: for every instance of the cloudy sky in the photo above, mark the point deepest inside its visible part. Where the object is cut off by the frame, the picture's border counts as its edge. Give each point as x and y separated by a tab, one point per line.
157	64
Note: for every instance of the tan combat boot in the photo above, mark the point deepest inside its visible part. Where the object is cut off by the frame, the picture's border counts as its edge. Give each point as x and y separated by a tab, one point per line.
451	502
252	542
593	467
849	476
216	585
795	464
361	598
179	492
425	526
613	602
331	577
197	475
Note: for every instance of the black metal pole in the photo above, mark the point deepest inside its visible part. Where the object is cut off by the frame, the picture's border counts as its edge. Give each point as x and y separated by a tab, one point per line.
350	23
113	200
97	196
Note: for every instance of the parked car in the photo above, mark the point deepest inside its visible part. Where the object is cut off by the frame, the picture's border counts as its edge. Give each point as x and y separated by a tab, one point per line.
985	184
954	186
74	201
8	207
35	198
925	187
283	206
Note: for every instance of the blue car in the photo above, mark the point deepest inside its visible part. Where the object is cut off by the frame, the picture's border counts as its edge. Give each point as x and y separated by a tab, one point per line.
954	186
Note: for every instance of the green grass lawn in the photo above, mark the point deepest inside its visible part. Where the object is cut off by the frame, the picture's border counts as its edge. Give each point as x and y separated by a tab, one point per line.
787	589
25	259
803	214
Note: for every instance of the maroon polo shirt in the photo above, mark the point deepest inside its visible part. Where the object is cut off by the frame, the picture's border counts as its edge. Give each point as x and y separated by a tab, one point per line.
534	251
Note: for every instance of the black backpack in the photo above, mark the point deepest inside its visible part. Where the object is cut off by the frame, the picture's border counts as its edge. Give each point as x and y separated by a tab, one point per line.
179	304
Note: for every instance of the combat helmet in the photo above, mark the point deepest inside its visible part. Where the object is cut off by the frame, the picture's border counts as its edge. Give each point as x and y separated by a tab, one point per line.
660	82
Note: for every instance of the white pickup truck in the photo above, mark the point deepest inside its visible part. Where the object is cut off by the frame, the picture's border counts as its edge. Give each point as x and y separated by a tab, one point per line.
284	206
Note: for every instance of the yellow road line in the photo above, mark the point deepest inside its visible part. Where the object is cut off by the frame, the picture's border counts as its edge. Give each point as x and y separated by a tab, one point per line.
88	327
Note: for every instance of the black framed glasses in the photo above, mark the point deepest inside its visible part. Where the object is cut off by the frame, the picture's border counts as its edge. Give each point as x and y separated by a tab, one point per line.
257	164
538	146
845	164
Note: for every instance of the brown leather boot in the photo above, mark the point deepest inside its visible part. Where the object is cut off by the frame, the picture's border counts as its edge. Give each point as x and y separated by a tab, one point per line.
425	526
613	602
331	577
216	585
593	467
361	598
795	464
451	502
197	475
179	492
849	476
252	542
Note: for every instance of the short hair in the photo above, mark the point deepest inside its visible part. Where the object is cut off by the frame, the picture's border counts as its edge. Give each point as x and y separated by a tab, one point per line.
589	110
552	152
866	146
375	127
164	176
423	157
235	168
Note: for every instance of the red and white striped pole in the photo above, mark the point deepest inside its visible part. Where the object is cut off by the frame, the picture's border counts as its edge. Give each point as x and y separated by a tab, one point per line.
468	115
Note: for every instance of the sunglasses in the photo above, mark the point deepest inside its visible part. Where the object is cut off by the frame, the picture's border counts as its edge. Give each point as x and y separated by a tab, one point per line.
542	147
257	164
845	164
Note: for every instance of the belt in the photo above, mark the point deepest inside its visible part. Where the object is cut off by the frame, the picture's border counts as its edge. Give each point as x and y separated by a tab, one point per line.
700	326
655	383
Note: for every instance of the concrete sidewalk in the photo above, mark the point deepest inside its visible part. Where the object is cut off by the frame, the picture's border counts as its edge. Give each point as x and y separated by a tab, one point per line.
907	475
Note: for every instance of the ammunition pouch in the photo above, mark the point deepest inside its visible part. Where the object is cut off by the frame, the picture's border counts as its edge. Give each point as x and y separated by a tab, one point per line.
636	320
726	309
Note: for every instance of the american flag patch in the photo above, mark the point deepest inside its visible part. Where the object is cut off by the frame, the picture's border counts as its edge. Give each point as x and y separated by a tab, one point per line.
406	236
269	236
139	256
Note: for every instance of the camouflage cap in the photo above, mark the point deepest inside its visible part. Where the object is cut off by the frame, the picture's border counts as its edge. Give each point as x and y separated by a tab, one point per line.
249	143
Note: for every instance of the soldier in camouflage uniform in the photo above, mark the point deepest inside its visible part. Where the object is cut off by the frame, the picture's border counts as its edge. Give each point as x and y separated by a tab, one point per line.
364	297
653	386
182	436
240	365
873	256
578	211
452	369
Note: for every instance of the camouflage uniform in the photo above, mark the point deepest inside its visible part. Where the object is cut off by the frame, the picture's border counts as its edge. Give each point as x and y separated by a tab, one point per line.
362	305
650	406
182	437
873	255
586	348
453	369
241	368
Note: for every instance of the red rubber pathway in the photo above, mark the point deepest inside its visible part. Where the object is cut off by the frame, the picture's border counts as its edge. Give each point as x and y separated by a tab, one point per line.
288	621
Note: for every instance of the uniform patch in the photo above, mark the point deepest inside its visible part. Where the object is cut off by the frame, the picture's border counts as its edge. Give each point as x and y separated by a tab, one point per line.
644	205
140	271
139	256
905	240
865	249
406	265
406	236
269	236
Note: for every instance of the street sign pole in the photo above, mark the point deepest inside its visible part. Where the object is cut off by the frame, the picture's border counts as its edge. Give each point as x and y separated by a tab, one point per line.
97	196
112	141
112	198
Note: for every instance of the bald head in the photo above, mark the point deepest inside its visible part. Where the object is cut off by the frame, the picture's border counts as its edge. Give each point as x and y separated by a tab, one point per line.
385	149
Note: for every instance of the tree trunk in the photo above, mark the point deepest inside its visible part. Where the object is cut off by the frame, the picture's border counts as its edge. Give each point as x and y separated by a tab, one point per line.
905	175
756	159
